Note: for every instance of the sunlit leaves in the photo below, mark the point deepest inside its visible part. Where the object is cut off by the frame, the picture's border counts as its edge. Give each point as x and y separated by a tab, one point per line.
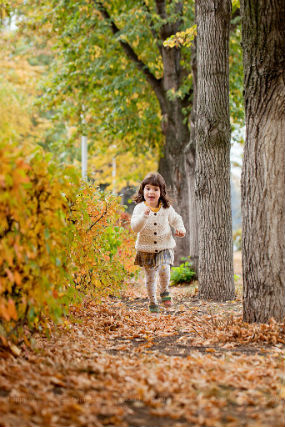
55	240
91	68
119	169
182	38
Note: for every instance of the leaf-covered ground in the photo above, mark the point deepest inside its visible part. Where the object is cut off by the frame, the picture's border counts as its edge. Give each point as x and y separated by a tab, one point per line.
196	364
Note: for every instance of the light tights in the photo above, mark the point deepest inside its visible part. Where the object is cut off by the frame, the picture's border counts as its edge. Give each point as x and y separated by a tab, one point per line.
151	273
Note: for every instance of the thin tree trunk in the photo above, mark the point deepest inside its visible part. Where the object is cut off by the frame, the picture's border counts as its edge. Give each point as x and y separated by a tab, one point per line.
213	151
263	177
190	158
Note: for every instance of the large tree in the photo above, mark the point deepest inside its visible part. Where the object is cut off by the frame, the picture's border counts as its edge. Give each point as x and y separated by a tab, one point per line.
213	151
137	92
112	59
263	175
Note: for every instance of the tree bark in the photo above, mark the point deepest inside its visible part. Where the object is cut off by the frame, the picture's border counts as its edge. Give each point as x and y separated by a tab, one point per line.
190	158
263	177
213	151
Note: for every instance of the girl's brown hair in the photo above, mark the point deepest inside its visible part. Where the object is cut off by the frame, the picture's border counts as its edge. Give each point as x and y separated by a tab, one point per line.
153	178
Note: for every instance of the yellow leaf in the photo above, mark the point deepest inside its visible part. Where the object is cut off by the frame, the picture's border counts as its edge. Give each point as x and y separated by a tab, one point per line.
15	350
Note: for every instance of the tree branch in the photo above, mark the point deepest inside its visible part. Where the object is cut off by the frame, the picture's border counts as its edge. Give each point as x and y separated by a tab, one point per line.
160	7
168	29
155	83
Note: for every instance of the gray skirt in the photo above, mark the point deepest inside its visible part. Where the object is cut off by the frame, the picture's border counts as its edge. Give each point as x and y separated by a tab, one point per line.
147	259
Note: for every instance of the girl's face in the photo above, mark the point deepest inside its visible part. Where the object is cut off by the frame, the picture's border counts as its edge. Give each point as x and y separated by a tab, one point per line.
151	195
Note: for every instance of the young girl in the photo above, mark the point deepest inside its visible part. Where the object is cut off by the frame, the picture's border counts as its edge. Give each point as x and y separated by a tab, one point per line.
151	219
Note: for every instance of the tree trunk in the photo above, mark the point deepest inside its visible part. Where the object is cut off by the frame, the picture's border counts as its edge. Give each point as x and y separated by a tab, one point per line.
190	158
213	151
263	177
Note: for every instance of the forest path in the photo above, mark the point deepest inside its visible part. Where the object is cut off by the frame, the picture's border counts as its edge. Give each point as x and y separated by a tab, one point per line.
116	364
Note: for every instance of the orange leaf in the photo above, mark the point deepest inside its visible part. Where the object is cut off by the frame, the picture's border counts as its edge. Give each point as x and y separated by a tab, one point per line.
4	312
12	310
17	277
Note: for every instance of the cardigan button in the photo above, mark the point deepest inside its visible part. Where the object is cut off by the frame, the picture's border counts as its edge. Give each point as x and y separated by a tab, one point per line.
154	242
155	223
155	213
156	250
155	233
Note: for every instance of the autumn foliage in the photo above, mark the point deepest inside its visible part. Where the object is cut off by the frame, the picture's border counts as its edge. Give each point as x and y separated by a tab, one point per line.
60	240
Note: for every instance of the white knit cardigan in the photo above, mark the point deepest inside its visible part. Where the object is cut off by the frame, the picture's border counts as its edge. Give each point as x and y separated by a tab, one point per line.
154	232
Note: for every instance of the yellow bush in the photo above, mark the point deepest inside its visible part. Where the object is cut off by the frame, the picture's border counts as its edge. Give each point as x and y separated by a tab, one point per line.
102	248
59	240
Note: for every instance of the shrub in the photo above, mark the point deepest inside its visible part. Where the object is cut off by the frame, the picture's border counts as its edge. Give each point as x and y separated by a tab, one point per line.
34	264
59	240
182	274
96	249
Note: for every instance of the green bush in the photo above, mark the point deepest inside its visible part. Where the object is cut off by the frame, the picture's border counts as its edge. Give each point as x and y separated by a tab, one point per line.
182	274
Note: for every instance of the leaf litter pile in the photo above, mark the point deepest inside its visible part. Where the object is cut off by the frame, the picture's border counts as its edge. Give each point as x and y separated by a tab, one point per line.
115	364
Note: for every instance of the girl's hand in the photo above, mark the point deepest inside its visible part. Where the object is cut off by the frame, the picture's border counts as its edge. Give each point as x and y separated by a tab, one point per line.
179	233
147	211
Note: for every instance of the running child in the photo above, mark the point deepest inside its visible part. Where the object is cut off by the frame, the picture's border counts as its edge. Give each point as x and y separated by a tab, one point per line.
152	218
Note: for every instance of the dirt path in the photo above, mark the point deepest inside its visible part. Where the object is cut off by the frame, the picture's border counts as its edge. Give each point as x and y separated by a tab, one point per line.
116	364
